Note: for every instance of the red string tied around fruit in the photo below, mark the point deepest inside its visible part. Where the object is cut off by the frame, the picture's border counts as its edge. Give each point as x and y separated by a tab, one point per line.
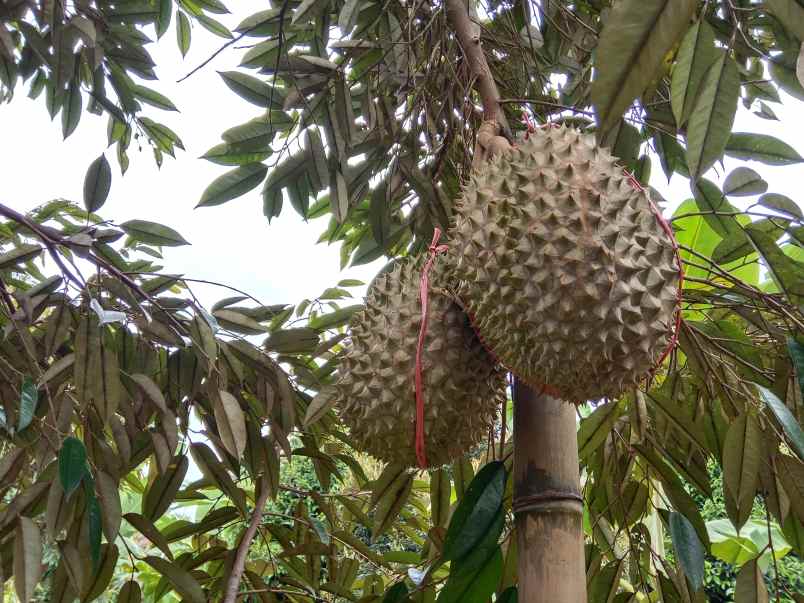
665	225
424	287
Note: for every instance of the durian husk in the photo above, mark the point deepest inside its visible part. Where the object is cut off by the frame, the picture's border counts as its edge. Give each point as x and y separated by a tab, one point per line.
375	389
564	267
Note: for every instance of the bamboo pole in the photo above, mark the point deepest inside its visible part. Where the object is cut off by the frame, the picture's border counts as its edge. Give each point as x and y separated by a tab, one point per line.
547	503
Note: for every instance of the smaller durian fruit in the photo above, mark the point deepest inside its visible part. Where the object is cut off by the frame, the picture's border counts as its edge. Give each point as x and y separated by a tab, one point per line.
375	388
566	271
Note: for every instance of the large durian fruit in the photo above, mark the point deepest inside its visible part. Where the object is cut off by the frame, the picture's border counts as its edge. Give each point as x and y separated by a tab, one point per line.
566	271
375	391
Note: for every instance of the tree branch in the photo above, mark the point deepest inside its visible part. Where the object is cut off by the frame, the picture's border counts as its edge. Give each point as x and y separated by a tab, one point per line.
239	565
469	39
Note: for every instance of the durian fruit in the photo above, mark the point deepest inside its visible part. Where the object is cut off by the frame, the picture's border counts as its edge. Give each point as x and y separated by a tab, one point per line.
566	272
375	391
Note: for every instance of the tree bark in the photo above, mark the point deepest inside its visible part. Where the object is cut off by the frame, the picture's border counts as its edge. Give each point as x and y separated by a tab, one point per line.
547	503
468	35
239	565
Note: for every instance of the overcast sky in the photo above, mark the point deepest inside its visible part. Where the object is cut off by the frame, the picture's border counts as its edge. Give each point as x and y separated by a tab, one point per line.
233	243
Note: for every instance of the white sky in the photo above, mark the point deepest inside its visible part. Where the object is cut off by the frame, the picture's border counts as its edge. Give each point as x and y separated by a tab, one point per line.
233	243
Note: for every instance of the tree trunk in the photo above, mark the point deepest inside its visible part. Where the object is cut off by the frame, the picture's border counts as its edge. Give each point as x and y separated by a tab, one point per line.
547	503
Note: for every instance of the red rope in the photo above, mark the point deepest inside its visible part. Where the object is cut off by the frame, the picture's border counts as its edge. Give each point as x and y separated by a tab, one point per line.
673	342
424	288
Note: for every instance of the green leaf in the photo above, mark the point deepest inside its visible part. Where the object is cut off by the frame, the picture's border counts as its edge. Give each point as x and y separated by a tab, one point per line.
712	115
149	530
694	232
696	55
26	559
251	89
790	14
215	27
181	580
95	524
183	35
439	497
319	406
165	14
713	204
225	154
19	254
72	464
782	204
473	582
231	423
635	39
786	272
29	398
596	427
750	586
335	319
160	494
744	181
233	184
741	459
783	71
796	351
153	98
509	595
153	233
786	419
131	592
763	148
264	54
728	545
688	547
476	511
71	113
391	502
97	184
398	593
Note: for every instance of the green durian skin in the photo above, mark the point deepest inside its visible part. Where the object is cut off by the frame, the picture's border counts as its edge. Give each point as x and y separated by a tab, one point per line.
565	269
375	390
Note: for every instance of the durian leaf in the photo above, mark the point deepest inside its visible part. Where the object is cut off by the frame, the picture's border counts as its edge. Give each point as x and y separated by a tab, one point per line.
597	426
474	576
161	493
149	530
233	184
476	511
750	586
27	558
790	14
741	459
633	43
796	351
712	116
693	231
696	55
782	204
180	579
231	423
675	491
439	497
391	502
763	148
786	419
744	181
786	272
688	548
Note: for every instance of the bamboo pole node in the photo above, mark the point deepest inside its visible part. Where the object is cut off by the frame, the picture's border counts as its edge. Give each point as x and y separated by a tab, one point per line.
549	501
